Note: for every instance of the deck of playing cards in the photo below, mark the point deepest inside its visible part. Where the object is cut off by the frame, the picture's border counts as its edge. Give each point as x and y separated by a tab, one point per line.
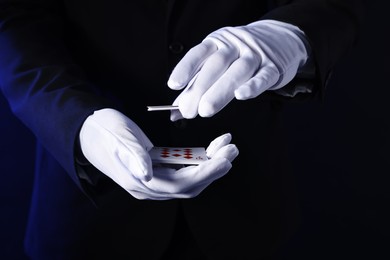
178	155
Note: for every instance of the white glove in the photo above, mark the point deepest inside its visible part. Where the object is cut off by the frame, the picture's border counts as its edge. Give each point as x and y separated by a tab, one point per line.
117	147
188	182
236	62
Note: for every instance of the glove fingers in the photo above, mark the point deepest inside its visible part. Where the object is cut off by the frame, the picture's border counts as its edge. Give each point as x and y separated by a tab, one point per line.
175	113
212	69
121	126
169	181
148	194
178	183
229	151
220	147
211	170
193	190
112	164
188	109
137	160
159	188
190	64
139	134
134	147
222	91
267	77
205	173
110	140
217	143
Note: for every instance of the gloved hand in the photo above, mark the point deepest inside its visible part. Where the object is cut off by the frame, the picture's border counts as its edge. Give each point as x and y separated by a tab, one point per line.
117	147
188	182
236	62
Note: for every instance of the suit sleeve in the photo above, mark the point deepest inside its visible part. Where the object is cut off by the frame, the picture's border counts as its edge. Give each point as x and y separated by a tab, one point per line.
45	89
332	28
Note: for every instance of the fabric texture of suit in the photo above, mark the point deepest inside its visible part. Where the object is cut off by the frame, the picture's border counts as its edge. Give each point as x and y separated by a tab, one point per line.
62	60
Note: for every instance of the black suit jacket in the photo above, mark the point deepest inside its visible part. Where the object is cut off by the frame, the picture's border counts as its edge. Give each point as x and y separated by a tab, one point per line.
62	60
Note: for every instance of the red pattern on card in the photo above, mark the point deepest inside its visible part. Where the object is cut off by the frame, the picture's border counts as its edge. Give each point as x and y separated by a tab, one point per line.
187	153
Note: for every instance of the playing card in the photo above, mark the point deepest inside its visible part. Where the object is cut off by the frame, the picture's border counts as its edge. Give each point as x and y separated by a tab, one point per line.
178	155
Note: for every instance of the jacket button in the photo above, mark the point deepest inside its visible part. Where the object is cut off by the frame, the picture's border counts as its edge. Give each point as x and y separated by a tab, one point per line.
176	47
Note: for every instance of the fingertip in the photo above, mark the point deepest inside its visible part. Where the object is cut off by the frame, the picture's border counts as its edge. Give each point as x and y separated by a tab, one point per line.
241	93
145	174
141	175
228	137
234	152
217	143
174	84
173	117
229	151
206	109
188	112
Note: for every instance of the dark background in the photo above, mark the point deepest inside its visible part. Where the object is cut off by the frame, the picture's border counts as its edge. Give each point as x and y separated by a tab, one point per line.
340	148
